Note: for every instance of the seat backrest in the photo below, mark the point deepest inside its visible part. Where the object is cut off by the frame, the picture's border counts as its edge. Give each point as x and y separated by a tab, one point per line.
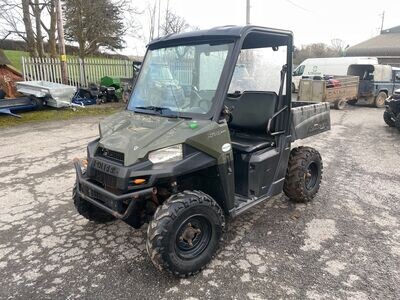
251	110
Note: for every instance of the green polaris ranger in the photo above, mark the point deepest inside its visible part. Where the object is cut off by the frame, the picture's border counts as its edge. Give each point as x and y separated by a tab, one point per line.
206	135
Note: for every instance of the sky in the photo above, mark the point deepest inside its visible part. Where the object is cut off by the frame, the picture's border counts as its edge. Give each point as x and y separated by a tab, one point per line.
312	21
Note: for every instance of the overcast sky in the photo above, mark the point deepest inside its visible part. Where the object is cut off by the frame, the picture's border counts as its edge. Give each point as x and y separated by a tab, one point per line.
311	21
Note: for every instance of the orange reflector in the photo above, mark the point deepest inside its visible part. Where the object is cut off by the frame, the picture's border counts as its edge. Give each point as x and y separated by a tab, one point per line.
139	181
84	163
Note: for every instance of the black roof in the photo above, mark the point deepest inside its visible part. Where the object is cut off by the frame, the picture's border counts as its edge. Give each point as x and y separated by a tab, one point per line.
228	32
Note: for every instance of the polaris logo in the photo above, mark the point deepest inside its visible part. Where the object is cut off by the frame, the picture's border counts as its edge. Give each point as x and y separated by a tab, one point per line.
106	168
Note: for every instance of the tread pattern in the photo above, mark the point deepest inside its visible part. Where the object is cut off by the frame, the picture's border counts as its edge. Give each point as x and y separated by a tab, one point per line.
388	119
294	186
162	221
397	122
89	211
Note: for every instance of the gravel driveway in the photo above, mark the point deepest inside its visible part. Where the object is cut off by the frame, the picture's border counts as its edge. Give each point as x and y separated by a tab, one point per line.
343	245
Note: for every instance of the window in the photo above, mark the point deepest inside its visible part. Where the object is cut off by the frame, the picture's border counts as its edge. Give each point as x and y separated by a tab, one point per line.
258	70
180	79
299	71
397	76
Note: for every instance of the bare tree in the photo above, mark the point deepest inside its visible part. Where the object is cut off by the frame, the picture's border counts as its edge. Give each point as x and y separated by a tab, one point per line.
18	16
338	45
151	11
173	23
30	35
51	30
37	11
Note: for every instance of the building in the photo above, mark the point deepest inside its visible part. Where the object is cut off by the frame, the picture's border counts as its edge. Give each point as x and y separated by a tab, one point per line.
386	47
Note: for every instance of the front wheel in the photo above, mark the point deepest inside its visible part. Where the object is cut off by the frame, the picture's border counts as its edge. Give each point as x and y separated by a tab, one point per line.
380	100
185	233
303	175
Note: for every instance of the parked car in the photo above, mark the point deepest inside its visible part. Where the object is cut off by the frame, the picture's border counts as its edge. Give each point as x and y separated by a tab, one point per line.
377	83
326	66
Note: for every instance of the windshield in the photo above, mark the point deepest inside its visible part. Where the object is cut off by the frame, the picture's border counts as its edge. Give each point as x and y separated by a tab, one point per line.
179	80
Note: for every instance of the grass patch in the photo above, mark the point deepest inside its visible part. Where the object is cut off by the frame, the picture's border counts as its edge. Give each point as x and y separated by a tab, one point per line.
15	58
50	114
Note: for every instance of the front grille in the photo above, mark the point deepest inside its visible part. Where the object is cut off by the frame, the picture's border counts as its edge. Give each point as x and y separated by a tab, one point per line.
105	179
111	154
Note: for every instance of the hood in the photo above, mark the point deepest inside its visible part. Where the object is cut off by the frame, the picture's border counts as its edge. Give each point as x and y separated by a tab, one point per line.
136	134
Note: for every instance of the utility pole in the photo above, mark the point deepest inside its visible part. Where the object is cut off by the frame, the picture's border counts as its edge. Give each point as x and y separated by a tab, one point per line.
247	12
61	43
383	19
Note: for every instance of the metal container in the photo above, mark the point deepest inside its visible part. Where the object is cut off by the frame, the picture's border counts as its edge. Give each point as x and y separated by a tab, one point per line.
55	94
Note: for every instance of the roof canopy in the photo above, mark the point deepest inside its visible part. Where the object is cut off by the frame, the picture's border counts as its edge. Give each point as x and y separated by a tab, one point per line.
385	44
225	33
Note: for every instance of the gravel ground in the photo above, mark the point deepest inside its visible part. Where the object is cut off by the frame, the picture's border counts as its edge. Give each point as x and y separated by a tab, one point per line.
343	245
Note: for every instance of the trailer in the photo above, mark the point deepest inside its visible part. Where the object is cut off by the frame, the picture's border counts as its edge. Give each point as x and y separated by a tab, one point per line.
11	106
336	90
49	93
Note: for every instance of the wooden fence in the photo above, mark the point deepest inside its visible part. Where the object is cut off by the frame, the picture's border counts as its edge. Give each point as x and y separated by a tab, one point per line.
79	72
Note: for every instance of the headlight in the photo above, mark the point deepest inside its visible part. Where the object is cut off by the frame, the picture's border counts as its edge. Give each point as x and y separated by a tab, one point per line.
168	154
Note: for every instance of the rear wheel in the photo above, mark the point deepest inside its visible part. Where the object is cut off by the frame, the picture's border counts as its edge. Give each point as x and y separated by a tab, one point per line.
89	211
387	117
303	175
380	99
185	233
340	105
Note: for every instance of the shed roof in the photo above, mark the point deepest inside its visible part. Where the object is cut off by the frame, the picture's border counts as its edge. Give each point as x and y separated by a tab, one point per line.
385	44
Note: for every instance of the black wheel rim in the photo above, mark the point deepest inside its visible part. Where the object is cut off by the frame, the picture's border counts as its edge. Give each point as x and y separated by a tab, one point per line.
311	176
193	237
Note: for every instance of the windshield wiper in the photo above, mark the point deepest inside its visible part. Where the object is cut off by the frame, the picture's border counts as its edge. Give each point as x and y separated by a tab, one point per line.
164	111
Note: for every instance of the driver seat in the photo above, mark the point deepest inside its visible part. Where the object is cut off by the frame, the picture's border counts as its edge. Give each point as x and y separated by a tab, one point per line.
250	113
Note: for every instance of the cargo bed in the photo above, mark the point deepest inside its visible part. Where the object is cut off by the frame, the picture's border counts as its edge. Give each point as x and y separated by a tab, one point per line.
309	119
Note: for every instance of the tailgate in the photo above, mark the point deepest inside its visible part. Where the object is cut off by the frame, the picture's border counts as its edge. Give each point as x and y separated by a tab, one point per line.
309	119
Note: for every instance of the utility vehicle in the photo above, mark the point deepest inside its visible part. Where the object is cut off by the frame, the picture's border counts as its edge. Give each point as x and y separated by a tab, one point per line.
186	154
377	82
391	116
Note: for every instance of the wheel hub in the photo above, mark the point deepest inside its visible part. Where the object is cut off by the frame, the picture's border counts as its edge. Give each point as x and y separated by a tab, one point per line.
189	234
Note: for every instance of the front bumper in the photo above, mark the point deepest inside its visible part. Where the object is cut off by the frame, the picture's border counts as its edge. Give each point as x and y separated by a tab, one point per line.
120	206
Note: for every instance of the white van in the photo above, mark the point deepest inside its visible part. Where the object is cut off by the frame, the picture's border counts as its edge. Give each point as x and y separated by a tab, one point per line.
327	66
